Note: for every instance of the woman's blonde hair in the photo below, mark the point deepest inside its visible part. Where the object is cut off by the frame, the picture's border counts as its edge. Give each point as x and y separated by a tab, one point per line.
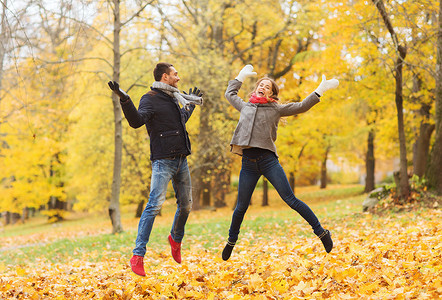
275	88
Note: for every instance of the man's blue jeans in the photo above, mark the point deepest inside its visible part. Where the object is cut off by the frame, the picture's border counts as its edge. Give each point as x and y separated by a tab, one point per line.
164	170
269	166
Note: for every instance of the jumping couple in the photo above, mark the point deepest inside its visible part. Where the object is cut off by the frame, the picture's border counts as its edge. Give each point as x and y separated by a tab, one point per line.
253	139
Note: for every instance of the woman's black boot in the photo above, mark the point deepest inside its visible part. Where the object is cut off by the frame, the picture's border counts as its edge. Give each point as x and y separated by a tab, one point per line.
326	240
228	250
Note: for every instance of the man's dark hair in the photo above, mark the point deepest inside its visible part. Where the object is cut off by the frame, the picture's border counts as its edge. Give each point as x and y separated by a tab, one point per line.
160	69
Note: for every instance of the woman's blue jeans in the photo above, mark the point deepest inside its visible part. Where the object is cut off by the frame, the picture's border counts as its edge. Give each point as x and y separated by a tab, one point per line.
164	170
269	166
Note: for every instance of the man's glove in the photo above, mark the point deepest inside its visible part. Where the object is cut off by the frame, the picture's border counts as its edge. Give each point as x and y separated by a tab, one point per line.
194	97
325	85
195	92
115	87
245	72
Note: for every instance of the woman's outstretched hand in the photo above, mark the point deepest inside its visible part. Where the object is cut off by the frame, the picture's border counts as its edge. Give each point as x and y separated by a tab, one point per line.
245	72
326	85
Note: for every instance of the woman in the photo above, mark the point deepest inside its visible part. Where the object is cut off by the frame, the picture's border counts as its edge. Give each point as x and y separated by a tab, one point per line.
254	139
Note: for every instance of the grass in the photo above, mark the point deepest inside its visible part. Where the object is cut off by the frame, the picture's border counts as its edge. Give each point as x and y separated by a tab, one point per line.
85	235
333	193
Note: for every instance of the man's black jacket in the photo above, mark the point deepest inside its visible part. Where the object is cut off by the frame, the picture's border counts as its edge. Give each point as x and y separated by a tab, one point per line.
165	122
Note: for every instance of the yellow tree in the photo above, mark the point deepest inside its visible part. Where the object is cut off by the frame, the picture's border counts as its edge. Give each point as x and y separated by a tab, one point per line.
10	22
42	94
399	38
31	144
349	43
365	40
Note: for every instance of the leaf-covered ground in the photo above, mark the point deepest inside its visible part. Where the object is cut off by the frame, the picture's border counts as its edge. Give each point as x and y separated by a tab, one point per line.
396	257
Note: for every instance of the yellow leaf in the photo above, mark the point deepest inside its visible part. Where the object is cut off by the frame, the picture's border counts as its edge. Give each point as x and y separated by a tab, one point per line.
211	296
255	281
20	271
387	279
280	285
369	288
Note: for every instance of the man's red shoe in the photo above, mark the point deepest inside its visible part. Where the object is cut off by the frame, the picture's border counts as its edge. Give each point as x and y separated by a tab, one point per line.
137	265
176	249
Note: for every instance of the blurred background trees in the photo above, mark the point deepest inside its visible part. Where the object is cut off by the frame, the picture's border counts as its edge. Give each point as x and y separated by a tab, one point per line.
64	145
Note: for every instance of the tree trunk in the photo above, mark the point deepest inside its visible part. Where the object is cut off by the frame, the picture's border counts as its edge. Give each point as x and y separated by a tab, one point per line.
220	200
24	215
221	187
292	181
434	173
206	161
265	192
396	177
3	38
196	188
3	43
206	189
370	163
114	205
6	218
404	188
324	169
55	204
145	192
421	149
421	146
203	140
15	217
146	187
139	210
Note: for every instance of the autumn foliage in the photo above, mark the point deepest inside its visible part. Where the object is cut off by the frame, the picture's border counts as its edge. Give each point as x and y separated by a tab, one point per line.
394	257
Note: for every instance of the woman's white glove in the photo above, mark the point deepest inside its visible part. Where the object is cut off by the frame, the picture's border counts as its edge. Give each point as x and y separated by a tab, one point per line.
325	85
245	72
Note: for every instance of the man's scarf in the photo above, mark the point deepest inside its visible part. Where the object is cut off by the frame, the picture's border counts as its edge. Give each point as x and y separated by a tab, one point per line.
184	99
261	100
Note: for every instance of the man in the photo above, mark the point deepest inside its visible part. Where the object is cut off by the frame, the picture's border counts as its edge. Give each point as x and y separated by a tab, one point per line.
169	146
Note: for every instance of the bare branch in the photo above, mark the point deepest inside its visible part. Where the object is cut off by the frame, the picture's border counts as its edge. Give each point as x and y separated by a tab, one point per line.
87	26
137	14
195	19
175	29
136	83
75	60
381	8
132	49
268	38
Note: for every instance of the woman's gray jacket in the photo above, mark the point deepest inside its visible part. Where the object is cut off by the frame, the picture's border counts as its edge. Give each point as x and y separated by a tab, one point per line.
258	123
